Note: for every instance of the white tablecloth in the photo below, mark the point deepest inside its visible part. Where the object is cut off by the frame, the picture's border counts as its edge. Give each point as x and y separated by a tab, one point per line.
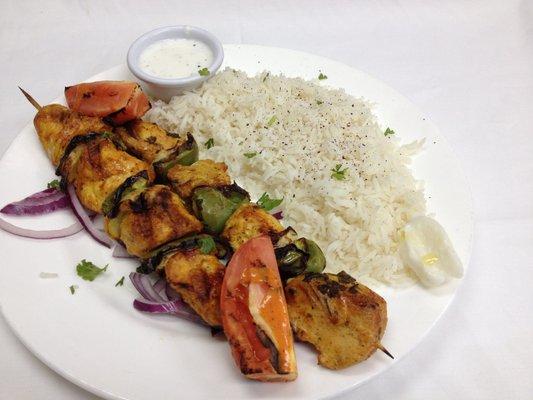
467	64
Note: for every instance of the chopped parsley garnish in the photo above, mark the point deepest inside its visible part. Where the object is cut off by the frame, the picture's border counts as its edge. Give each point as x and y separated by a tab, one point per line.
53	184
338	173
389	131
88	271
207	244
210	143
250	155
319	102
120	282
272	120
267	203
73	288
266	76
321	76
203	72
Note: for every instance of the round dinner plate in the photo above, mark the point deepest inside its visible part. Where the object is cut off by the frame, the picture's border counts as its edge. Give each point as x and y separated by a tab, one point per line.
96	339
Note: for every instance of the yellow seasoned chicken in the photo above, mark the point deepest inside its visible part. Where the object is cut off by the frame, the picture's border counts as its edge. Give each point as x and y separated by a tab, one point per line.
247	222
56	125
341	318
152	217
197	277
148	141
185	178
97	168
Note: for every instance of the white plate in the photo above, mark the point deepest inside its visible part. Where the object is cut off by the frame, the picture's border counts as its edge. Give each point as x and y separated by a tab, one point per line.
98	341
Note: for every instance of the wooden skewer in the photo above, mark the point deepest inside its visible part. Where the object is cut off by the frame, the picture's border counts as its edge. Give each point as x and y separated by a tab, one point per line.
30	99
384	350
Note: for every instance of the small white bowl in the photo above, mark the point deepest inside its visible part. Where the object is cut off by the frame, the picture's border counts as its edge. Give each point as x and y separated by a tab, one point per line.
165	88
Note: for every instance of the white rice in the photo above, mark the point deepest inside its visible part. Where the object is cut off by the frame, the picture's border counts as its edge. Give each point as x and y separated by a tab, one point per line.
356	221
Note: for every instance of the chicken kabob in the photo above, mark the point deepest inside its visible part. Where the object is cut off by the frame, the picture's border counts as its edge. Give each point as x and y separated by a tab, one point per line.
343	319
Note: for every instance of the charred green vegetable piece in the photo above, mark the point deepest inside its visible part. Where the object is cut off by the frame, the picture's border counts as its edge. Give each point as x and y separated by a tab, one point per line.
207	244
298	257
130	185
214	206
186	154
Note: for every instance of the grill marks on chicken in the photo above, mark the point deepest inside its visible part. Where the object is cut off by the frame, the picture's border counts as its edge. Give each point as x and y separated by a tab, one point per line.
197	277
185	178
343	319
56	126
150	218
100	169
247	222
147	141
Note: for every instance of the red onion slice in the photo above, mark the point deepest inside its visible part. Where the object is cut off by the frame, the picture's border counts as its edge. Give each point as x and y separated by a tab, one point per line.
120	252
144	286
159	286
156	302
42	202
85	220
49	234
174	307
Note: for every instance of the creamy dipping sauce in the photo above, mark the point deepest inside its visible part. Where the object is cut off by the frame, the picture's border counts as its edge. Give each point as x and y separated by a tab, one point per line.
175	58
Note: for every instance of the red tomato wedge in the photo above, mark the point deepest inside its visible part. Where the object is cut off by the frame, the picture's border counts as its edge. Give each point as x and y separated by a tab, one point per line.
118	101
255	316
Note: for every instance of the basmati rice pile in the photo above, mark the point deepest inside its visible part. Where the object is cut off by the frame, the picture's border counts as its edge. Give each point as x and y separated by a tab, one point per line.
301	131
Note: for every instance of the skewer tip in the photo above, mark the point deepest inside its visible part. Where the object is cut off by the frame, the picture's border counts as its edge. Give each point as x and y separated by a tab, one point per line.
30	99
384	350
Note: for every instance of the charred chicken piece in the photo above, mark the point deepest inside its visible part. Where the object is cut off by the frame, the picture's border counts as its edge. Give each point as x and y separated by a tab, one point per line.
97	168
184	179
147	141
197	277
247	222
56	126
150	217
344	320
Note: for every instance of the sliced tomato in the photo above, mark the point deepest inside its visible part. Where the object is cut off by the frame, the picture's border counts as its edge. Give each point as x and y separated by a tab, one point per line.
120	101
254	314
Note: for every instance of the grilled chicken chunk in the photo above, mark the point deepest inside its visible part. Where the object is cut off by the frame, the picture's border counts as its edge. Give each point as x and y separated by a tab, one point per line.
197	277
56	125
148	141
247	222
98	168
341	318
185	178
151	218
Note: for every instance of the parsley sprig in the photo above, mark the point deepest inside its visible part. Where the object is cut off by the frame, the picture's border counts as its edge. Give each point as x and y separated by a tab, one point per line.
203	72
88	271
250	155
120	282
338	173
389	132
55	184
210	143
267	203
321	76
272	120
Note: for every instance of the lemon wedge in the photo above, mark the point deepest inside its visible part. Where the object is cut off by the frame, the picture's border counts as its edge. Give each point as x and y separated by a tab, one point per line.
428	251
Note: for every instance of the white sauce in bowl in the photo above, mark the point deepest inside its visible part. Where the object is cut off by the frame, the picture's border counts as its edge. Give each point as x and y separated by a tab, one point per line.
175	58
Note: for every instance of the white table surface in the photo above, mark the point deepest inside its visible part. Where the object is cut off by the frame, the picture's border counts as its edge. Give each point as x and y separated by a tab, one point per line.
467	64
